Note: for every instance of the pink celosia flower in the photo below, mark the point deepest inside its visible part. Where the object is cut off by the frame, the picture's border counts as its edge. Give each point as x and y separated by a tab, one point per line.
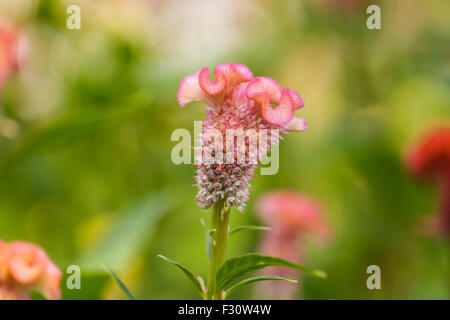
431	158
293	213
12	48
290	215
24	268
237	101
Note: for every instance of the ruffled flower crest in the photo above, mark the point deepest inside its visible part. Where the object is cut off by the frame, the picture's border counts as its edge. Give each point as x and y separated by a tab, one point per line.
235	82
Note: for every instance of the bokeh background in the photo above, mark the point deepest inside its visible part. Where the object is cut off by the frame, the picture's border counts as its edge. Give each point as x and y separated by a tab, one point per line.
85	127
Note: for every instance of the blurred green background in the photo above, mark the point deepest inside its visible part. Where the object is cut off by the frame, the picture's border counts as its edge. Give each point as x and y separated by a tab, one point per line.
85	167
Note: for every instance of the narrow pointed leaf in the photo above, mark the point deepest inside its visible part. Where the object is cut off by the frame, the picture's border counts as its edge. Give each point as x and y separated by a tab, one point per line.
208	246
209	231
238	267
256	279
208	236
251	228
194	279
120	283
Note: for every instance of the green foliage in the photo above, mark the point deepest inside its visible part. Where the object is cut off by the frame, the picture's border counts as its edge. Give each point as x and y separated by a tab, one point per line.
236	268
130	233
251	228
197	281
122	286
70	128
255	279
92	286
208	236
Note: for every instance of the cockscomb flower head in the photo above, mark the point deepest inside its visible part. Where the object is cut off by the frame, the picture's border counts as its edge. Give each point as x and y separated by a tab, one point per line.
431	158
25	268
12	50
245	116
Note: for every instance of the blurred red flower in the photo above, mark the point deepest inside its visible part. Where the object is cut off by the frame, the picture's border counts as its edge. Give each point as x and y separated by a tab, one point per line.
430	158
12	50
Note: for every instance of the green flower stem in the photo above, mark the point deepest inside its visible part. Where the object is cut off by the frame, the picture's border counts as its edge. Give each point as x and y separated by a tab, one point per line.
221	214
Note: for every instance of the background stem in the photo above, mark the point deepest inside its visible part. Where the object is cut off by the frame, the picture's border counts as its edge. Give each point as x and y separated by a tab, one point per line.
220	219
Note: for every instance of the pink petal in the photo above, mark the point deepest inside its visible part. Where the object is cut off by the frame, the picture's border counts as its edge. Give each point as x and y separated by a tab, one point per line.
266	85
298	101
27	262
297	124
291	211
235	73
8	47
4	258
8	292
212	88
239	96
228	77
280	115
190	90
49	284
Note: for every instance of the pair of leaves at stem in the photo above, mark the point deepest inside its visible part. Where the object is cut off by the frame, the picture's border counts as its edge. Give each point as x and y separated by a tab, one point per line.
233	270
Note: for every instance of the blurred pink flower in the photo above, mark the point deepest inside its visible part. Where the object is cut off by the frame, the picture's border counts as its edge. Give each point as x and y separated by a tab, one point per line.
236	100
291	216
293	213
24	268
12	49
430	158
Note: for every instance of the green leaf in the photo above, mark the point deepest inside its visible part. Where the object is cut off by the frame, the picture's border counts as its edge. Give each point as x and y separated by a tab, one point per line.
130	234
120	283
209	231
196	280
254	228
208	235
238	267
256	279
69	128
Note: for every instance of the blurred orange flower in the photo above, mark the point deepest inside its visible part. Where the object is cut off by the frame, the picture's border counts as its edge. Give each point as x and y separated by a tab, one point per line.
24	268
